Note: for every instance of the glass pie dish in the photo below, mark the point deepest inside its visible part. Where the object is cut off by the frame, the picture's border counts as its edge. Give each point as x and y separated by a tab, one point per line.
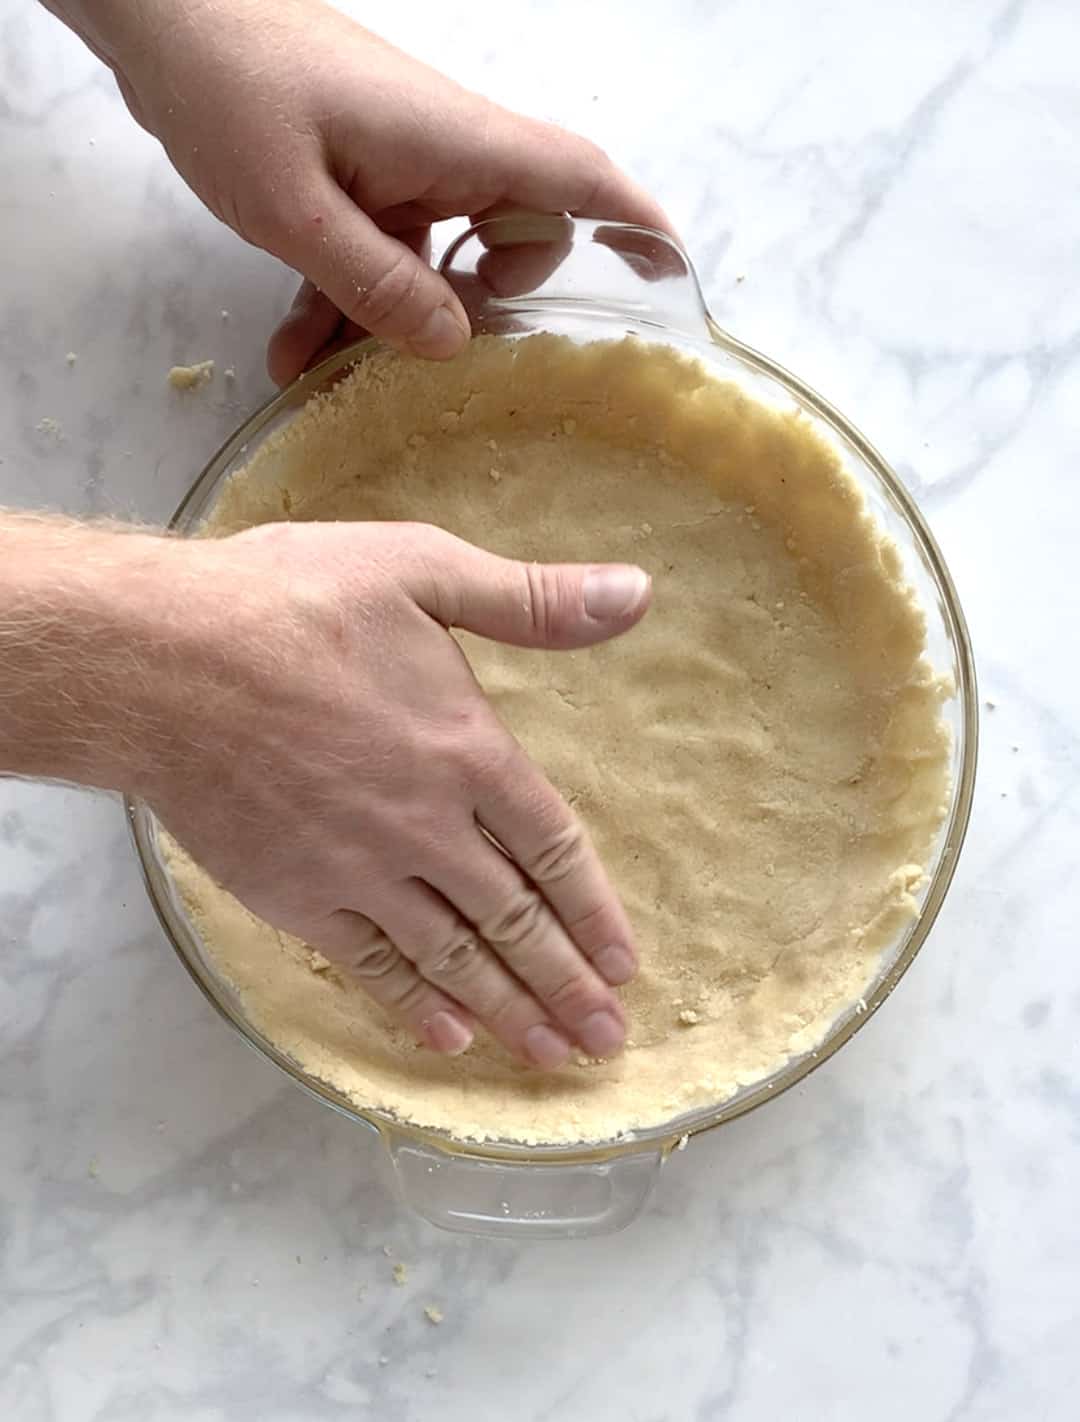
594	281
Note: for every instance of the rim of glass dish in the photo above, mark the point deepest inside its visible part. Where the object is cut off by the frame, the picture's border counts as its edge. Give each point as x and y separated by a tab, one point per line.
666	1136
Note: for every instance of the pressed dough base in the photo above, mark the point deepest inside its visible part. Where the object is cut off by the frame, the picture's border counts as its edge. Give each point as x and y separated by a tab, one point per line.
762	763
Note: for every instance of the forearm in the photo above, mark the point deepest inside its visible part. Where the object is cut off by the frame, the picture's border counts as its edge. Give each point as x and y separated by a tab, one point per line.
85	650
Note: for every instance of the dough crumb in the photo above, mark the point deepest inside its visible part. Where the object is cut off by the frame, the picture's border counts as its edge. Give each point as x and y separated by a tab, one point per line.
224	314
317	962
387	1250
433	1313
92	1168
401	1274
53	428
449	420
229	372
689	1018
191	377
71	357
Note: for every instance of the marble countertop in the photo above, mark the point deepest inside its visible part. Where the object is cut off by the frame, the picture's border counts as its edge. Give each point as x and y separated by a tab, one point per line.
883	197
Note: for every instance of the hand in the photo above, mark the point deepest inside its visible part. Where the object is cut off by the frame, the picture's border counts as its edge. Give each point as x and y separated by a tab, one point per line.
352	785
336	152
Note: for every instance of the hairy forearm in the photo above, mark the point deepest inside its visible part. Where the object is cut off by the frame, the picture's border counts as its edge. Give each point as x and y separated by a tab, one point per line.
86	645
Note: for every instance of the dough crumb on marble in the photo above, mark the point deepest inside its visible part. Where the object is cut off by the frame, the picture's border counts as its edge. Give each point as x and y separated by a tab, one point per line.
433	1313
191	377
401	1273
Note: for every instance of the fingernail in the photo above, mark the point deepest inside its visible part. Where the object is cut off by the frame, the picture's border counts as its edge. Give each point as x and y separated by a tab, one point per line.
546	1047
602	1034
447	1033
613	592
615	964
440	336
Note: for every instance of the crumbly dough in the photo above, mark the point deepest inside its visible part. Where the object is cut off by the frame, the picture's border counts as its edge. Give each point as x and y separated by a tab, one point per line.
191	377
762	763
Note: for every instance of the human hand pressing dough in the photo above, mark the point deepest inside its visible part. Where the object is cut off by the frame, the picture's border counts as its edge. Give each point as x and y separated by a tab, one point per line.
354	787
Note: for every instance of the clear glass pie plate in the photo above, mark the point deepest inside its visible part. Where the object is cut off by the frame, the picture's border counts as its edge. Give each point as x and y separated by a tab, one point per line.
597	281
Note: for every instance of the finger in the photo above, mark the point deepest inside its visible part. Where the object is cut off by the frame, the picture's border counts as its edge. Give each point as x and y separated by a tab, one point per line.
448	953
374	279
519	925
313	322
522	810
388	977
559	605
315	329
540	166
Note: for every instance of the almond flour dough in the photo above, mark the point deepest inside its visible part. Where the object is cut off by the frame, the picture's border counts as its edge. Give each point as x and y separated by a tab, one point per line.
762	763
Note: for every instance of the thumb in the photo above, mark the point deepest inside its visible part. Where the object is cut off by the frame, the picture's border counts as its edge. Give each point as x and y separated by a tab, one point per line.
557	605
373	279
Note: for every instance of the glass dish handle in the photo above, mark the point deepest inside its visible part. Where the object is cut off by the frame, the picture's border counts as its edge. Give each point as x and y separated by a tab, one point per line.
507	268
525	1200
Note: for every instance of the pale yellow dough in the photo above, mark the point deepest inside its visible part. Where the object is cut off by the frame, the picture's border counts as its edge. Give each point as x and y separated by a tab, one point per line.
762	763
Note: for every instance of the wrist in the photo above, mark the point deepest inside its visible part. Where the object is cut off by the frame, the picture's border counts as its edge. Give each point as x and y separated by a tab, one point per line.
86	631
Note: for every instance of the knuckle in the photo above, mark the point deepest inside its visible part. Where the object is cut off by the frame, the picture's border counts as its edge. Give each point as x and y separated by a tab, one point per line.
375	959
542	599
516	922
380	304
561	855
453	959
411	997
575	998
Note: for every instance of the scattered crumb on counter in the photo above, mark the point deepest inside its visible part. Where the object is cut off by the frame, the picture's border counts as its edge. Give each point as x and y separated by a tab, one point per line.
433	1313
316	962
387	1250
991	705
53	428
229	372
383	1360
401	1273
224	314
191	377
689	1018
494	475
71	357
740	277
92	1169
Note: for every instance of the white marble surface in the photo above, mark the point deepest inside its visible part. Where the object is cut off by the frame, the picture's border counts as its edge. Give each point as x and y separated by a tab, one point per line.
187	1238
